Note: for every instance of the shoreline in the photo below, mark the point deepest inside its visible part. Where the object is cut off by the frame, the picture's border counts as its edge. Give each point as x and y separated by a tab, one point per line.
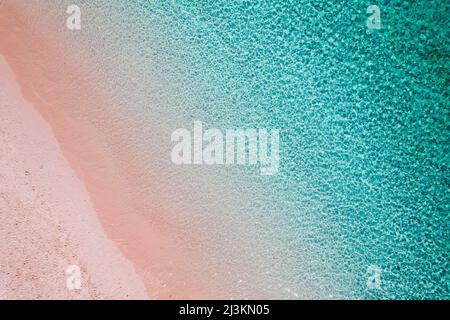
90	139
47	219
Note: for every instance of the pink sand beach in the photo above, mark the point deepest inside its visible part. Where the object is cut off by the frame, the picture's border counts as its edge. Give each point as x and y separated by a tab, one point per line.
67	195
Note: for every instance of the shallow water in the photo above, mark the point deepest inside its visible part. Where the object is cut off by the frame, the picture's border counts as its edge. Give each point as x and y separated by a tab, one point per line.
364	117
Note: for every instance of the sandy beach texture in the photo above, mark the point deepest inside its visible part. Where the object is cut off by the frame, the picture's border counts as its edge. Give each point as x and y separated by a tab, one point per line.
47	219
67	190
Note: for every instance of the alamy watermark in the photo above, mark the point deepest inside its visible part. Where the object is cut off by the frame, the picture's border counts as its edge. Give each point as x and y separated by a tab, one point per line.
373	277
73	280
374	20
234	146
73	22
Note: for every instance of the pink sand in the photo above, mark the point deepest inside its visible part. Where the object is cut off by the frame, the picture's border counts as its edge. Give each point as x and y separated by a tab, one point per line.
46	217
82	172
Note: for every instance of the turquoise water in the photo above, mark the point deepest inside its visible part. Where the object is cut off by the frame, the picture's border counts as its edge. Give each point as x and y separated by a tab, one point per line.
364	120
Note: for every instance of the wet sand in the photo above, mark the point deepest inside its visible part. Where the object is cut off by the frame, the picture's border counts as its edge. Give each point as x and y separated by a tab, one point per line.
88	137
